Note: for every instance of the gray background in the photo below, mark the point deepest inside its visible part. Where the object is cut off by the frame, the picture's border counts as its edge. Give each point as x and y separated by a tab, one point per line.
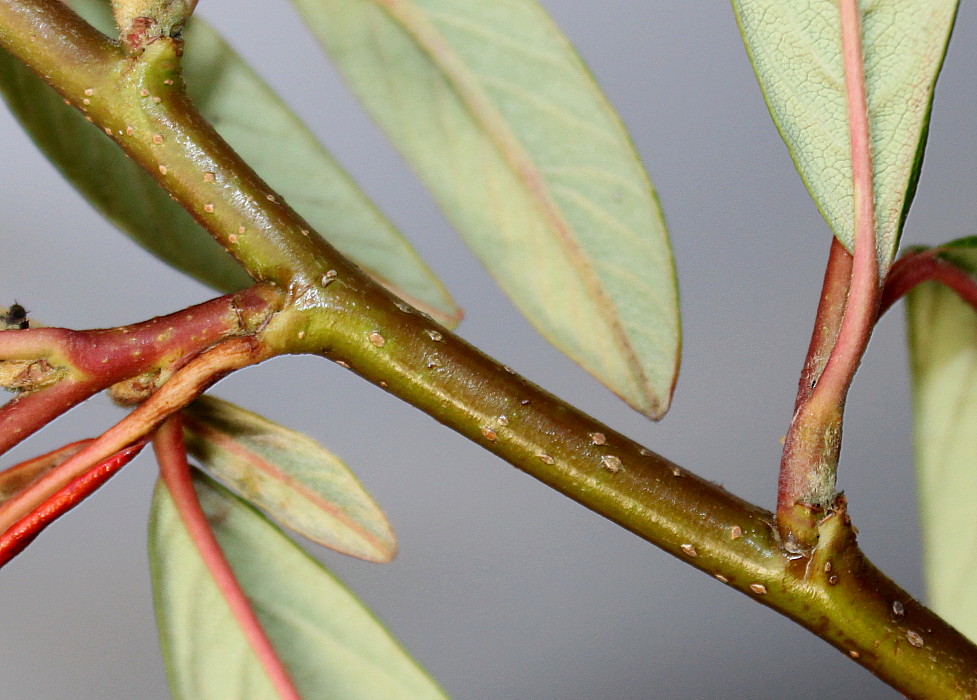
503	588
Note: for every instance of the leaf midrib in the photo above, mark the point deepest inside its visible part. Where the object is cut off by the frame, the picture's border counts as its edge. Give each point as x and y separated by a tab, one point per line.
465	86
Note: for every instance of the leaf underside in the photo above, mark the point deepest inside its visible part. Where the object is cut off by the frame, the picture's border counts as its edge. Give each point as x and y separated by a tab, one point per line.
506	127
795	48
333	646
296	481
264	131
943	349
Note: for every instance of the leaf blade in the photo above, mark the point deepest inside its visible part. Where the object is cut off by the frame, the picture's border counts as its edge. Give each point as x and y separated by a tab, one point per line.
505	126
332	645
942	331
295	480
795	49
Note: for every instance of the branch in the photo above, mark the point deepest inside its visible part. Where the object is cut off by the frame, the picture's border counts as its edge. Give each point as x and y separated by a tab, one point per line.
809	467
187	384
343	315
57	368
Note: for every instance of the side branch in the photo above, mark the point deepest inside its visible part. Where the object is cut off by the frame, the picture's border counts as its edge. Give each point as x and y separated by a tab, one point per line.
808	470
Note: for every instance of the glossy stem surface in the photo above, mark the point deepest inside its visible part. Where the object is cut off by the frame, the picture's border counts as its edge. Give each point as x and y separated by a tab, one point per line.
343	315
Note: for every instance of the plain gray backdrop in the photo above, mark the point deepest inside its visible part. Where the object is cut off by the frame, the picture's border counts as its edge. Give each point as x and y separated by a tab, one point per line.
503	588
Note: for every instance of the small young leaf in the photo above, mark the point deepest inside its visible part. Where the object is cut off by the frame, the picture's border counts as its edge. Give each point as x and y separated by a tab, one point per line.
295	480
795	47
504	124
332	645
247	113
943	348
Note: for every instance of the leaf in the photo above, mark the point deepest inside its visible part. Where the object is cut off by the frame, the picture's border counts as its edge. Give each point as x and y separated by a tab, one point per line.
248	114
333	646
295	480
795	47
503	123
943	350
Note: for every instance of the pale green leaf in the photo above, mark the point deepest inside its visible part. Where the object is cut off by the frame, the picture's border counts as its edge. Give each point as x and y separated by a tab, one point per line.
502	121
795	47
291	477
333	647
943	348
264	131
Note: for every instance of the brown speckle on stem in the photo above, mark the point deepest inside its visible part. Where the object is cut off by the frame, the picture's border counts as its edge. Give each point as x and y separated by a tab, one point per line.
611	463
377	339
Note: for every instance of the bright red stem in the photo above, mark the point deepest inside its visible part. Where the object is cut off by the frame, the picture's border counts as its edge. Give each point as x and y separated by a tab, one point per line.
23	532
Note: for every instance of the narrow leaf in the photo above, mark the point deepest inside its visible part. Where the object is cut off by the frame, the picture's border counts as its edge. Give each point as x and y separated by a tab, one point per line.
943	349
795	47
295	480
333	646
247	113
502	121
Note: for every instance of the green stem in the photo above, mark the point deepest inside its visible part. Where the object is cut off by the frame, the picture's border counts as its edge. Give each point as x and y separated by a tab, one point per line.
334	310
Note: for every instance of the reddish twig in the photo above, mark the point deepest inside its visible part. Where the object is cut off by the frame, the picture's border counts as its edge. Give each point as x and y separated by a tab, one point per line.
25	414
191	381
87	362
172	456
831	309
23	532
927	266
808	468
